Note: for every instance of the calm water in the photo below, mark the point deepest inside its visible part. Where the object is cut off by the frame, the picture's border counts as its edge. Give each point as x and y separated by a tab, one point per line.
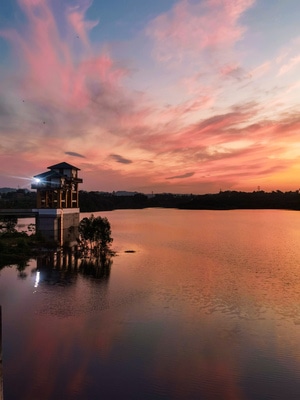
208	307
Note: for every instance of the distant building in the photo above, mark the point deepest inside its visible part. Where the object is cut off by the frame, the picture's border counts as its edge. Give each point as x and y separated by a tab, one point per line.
58	203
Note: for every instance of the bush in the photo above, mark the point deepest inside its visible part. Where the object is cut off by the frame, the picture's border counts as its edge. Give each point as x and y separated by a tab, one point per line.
95	234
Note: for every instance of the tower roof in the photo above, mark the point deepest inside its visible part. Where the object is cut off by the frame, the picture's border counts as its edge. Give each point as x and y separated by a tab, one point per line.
48	174
63	165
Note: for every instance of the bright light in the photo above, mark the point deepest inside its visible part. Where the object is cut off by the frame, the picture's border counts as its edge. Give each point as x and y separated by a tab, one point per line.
37	180
37	279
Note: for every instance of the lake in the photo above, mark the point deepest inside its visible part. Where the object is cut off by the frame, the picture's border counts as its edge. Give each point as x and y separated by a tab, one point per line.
205	306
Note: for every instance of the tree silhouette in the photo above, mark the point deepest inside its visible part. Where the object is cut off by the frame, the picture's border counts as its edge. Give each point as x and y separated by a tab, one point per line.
95	234
8	224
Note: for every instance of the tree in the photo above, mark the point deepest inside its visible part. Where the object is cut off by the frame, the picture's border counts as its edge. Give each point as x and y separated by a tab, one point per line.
8	224
95	234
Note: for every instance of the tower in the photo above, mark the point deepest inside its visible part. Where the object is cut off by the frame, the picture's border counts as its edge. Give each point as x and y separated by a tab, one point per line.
58	203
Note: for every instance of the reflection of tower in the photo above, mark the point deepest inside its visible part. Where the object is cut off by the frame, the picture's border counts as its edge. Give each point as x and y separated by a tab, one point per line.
58	203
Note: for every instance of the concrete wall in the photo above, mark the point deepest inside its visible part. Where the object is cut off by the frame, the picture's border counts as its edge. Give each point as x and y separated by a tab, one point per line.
70	227
59	225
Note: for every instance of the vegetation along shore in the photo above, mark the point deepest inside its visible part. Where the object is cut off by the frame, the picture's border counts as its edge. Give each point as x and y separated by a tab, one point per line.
224	200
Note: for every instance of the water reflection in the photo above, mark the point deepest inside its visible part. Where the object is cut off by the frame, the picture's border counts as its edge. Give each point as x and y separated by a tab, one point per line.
62	267
21	263
206	308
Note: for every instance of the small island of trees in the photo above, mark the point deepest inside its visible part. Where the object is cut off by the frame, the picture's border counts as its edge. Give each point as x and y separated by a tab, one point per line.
95	236
94	242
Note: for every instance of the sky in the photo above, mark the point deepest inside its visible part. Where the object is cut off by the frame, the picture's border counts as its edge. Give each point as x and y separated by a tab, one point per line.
177	96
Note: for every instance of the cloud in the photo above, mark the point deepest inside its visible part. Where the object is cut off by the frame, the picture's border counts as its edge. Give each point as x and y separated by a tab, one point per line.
233	71
76	18
192	27
62	86
183	176
260	70
73	154
192	113
120	159
293	62
58	70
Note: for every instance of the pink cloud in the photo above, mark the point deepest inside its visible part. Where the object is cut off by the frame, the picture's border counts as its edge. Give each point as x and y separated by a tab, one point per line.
225	147
193	27
231	70
75	16
260	70
51	70
293	62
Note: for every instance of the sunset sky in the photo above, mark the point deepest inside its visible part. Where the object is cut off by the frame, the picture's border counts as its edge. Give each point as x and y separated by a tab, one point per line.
186	96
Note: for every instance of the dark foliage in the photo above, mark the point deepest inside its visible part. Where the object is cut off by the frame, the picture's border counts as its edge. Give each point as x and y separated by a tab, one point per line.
16	248
18	199
244	200
101	201
95	235
96	201
8	224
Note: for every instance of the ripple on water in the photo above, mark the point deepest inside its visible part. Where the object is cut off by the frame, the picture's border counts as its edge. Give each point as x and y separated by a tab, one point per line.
67	301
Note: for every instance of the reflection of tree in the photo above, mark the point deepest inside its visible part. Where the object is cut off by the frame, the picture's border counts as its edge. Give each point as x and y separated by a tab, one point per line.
8	260
63	267
21	266
98	268
15	247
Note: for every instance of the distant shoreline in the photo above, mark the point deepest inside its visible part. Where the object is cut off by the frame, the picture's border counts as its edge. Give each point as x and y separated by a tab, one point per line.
229	200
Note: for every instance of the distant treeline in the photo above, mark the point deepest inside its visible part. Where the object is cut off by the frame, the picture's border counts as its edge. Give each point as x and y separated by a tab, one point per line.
100	201
18	199
95	201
